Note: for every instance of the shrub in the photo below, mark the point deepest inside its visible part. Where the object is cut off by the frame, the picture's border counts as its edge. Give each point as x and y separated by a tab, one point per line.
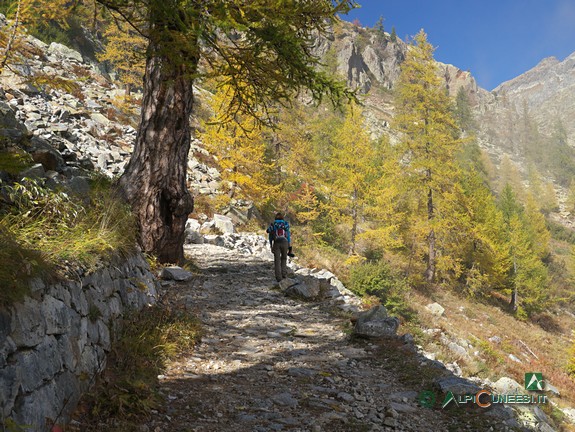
560	232
377	279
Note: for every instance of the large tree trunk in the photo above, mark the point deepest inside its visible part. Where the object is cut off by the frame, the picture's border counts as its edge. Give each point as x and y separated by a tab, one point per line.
154	182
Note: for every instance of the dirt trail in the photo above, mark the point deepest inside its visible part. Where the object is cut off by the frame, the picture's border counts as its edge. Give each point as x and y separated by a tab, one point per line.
270	363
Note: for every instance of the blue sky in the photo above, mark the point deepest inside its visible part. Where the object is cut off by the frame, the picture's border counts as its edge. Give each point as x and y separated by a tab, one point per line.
496	40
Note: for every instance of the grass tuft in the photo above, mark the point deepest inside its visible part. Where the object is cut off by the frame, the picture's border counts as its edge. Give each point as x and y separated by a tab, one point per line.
127	392
46	231
14	161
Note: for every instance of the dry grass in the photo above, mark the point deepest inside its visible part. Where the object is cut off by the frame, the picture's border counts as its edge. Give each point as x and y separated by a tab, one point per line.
539	350
127	392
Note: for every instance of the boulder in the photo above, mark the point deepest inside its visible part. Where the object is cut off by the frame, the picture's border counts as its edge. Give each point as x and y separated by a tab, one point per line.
10	127
241	211
456	385
436	309
308	288
224	224
376	323
36	171
176	273
50	159
63	51
507	385
79	186
192	232
552	389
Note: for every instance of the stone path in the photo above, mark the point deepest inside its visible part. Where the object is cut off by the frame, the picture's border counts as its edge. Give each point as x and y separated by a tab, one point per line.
270	363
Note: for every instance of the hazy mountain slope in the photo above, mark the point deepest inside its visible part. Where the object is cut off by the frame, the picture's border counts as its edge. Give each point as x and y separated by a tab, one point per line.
549	92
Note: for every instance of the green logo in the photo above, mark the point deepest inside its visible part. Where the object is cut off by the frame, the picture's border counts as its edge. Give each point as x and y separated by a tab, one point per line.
426	399
448	398
534	381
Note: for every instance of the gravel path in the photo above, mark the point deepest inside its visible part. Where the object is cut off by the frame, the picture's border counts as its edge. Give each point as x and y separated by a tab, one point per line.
270	363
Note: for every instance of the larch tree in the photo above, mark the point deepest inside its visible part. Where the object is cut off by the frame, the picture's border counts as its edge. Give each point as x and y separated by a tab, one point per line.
427	146
528	243
352	171
486	248
463	112
261	49
529	274
24	15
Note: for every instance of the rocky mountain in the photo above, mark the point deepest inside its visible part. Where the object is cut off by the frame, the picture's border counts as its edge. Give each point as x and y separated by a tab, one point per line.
538	100
548	91
370	61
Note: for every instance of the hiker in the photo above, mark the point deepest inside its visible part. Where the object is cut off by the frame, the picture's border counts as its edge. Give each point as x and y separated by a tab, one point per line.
280	242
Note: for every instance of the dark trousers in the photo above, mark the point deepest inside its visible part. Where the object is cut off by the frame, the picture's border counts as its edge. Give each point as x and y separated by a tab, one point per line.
280	250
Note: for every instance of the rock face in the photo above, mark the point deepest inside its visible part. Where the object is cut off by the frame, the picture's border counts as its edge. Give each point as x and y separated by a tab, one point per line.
370	61
547	90
542	95
53	343
365	57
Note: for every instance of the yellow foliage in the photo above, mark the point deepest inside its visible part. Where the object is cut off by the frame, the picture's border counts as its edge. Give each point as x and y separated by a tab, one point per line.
125	50
240	148
352	170
427	180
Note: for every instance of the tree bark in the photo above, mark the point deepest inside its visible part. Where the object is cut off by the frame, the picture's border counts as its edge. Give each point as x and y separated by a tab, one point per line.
354	216
430	271
513	303
154	182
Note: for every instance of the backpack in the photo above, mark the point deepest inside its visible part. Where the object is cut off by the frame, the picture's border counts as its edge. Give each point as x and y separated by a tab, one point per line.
279	229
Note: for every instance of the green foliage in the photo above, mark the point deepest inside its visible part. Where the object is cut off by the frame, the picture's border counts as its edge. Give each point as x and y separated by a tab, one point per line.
488	351
128	390
393	34
463	113
379	25
377	279
14	161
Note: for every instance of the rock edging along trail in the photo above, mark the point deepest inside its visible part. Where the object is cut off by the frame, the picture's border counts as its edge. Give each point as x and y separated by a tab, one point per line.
271	363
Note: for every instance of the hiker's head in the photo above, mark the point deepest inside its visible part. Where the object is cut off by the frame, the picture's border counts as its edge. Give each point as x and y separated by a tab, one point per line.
279	216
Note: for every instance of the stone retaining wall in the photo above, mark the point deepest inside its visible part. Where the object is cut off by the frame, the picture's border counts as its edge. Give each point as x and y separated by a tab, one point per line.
55	342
